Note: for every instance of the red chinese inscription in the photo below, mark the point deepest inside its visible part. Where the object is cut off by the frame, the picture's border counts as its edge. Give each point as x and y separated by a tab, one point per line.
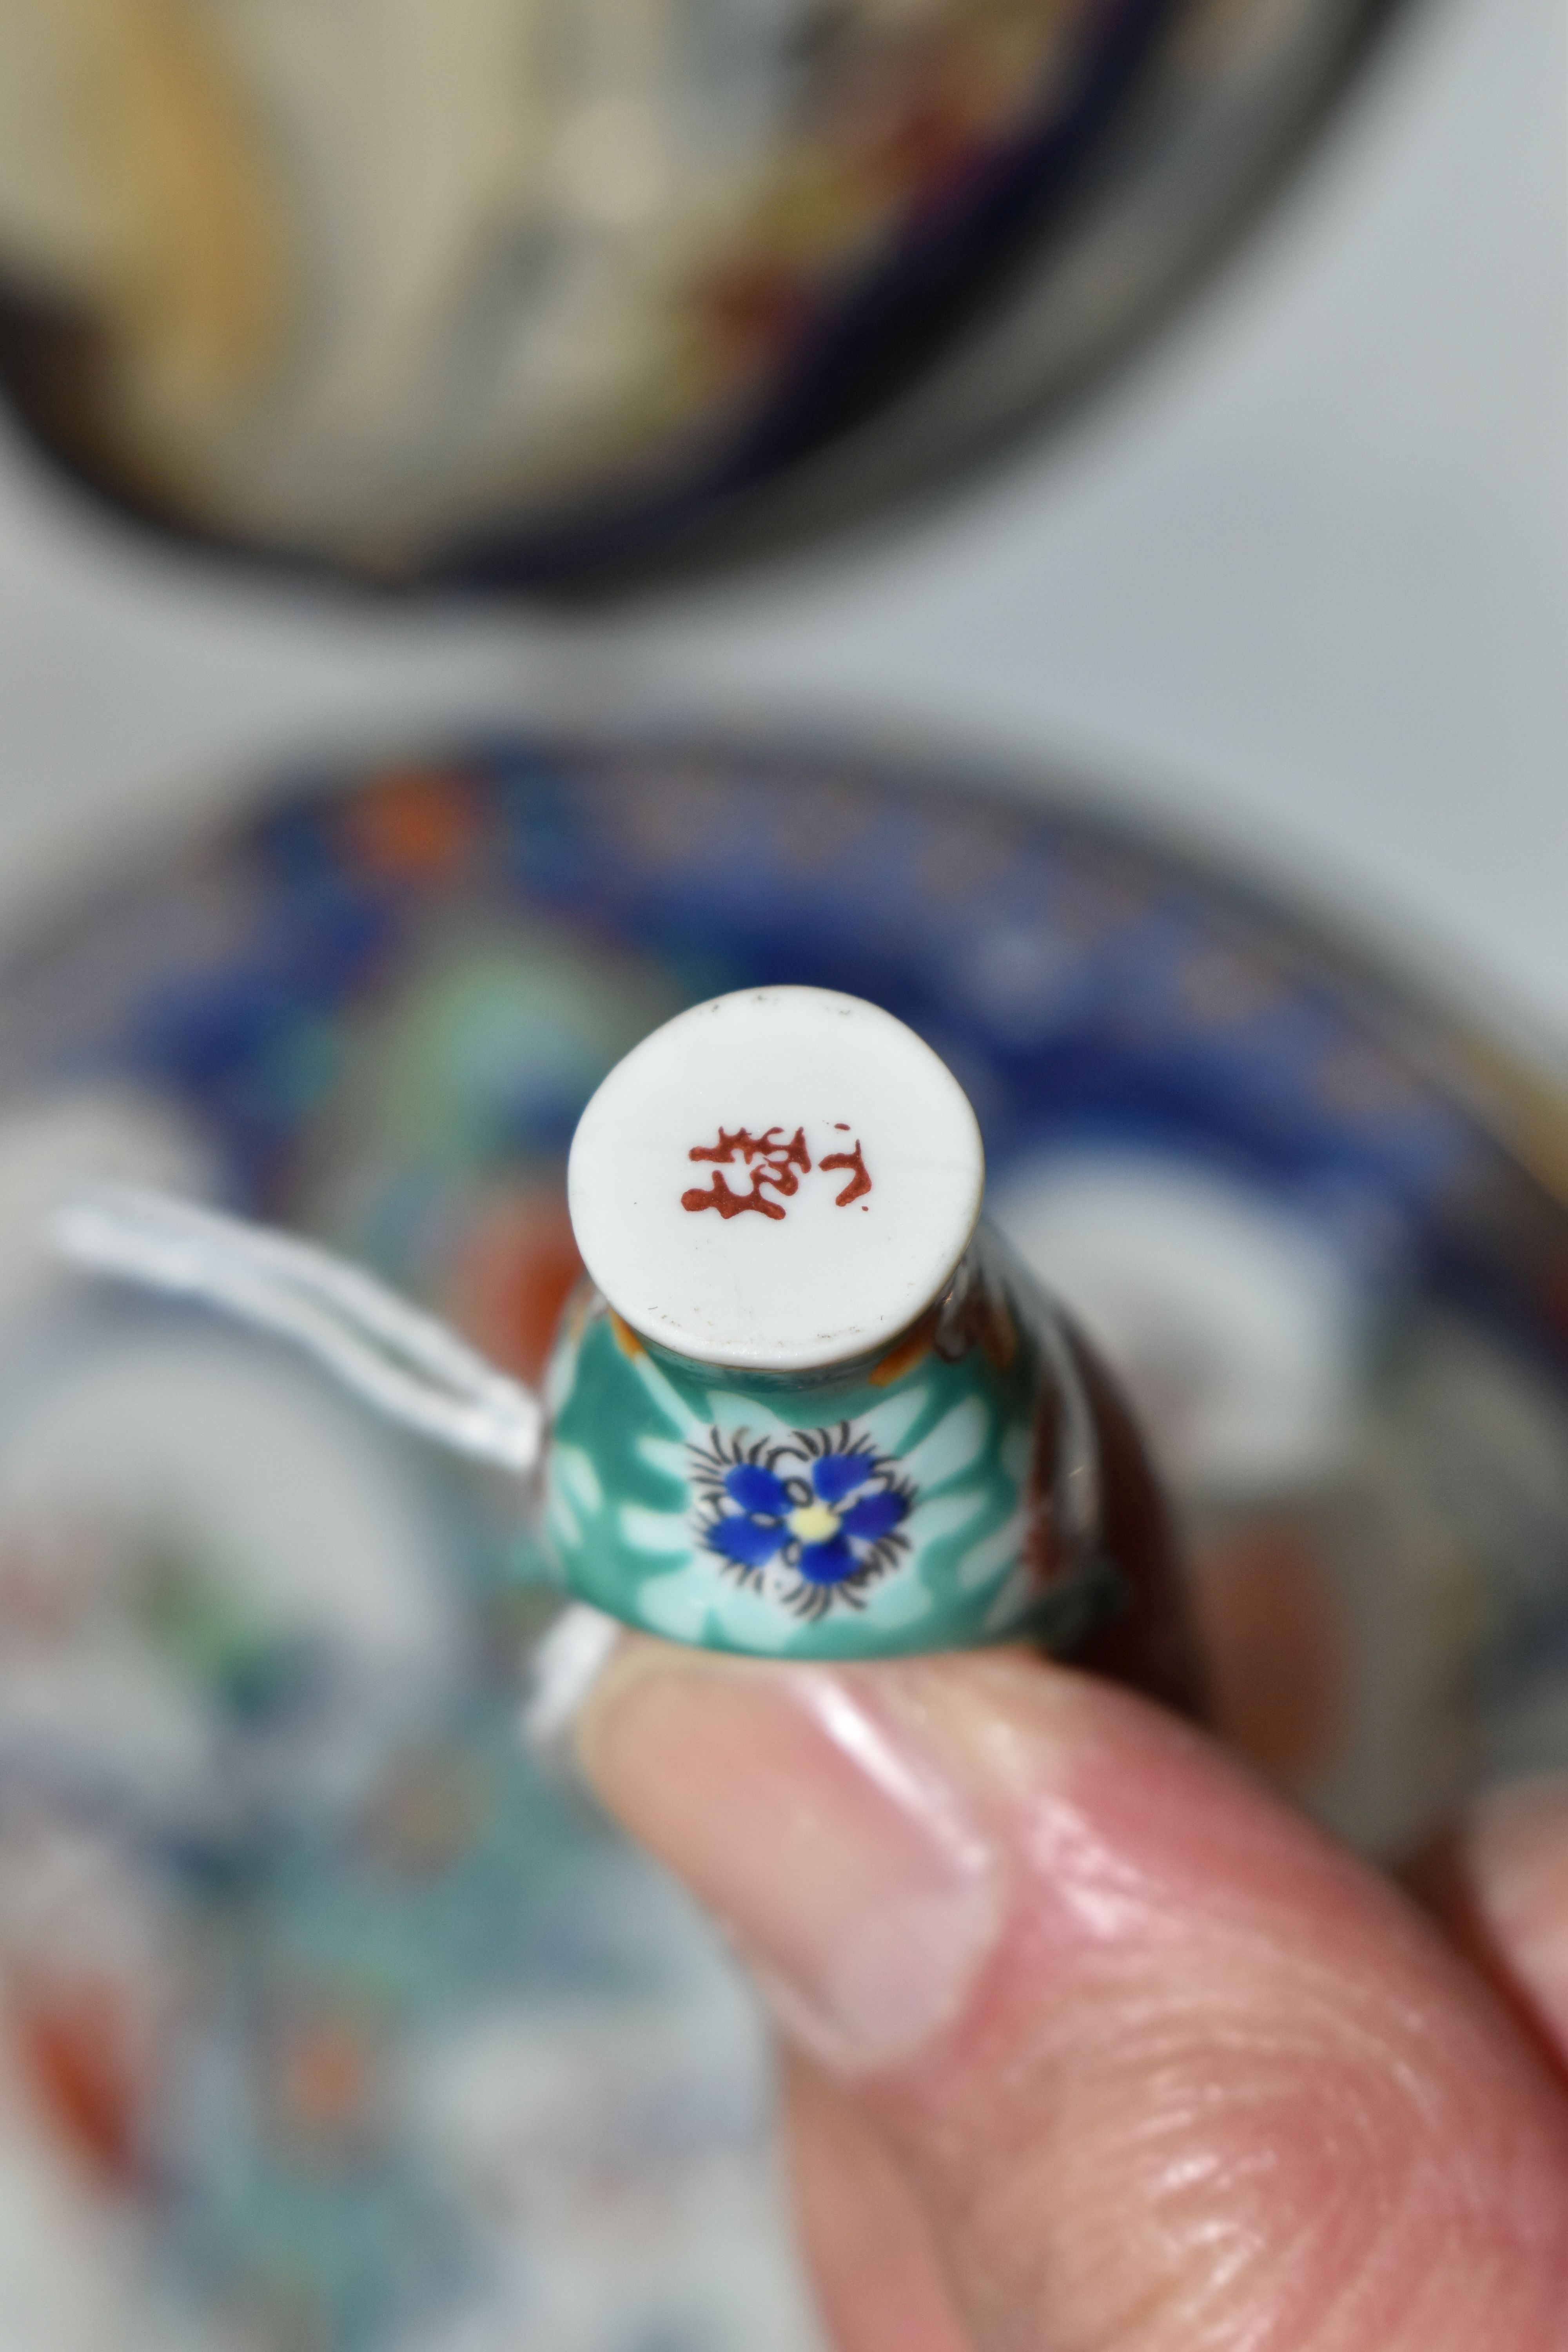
774	1166
859	1183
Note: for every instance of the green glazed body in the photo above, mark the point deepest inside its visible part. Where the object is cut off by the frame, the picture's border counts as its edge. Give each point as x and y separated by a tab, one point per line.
942	1495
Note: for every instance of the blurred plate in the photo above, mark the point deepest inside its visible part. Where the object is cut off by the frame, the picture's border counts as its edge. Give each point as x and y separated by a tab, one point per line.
505	296
331	2020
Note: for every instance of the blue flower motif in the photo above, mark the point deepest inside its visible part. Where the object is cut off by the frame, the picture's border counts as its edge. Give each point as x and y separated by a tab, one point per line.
819	1517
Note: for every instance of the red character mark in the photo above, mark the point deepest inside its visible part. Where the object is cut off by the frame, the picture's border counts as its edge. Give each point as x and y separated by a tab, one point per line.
776	1166
859	1183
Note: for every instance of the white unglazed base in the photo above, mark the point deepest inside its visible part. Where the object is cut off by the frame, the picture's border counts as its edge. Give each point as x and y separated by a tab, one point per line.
780	1180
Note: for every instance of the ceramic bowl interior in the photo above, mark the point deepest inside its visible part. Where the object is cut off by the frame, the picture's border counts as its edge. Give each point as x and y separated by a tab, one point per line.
524	298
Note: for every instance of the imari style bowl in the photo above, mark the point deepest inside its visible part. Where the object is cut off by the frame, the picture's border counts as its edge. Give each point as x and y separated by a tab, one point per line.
928	1500
808	1410
352	2026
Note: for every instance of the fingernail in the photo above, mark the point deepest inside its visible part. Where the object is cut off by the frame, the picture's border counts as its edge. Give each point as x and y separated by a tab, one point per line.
1519	1862
819	1827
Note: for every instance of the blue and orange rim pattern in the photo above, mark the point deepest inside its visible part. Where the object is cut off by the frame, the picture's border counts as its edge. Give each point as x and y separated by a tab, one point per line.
1086	989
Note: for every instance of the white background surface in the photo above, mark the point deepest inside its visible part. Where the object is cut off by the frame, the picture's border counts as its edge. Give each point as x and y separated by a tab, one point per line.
1300	587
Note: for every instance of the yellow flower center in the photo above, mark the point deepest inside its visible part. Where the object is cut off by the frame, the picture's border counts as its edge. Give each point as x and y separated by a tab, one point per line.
814	1522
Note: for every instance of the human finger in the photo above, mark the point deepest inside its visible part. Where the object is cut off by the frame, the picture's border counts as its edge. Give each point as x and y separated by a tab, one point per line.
867	2246
1498	1881
1162	2067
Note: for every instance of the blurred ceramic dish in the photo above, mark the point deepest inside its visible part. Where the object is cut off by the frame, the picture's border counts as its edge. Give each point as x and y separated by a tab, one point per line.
817	1409
509	294
329	2017
1316	1228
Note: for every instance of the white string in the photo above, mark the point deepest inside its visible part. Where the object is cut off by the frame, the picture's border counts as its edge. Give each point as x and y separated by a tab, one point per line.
567	1662
407	1364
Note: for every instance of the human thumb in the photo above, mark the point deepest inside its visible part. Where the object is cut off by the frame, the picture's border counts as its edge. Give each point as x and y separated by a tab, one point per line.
1164	2068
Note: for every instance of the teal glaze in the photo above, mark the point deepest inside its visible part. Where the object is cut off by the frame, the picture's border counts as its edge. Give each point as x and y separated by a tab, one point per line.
957	1474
